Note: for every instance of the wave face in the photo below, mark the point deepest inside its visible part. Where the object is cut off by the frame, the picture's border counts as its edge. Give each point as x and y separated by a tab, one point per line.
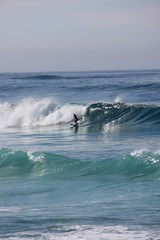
137	165
107	115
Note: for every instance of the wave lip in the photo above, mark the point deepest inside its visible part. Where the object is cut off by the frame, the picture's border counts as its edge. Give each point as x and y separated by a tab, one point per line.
142	165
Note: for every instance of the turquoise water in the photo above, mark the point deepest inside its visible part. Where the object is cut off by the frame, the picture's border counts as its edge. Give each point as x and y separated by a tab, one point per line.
99	180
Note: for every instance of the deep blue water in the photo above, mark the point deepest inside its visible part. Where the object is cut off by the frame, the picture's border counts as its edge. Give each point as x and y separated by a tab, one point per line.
99	180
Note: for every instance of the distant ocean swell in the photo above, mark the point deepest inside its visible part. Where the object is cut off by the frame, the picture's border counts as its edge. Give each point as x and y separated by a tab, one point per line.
137	165
86	81
45	112
82	75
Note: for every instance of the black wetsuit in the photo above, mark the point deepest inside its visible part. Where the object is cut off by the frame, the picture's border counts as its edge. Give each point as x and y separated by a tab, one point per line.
75	119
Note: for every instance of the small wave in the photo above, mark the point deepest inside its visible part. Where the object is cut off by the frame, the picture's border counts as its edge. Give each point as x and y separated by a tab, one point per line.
142	165
84	75
38	77
46	77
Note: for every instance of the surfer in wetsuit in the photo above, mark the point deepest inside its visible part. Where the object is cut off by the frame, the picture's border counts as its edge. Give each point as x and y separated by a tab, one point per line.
75	119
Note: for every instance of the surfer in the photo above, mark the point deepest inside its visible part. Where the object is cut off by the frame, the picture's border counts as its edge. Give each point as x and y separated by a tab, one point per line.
75	119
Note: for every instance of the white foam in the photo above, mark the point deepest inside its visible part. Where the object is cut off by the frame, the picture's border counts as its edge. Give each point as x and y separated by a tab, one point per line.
10	209
149	159
91	232
111	127
138	153
32	112
40	158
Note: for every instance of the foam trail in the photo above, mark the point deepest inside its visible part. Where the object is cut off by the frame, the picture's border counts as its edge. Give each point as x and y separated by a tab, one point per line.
89	232
32	112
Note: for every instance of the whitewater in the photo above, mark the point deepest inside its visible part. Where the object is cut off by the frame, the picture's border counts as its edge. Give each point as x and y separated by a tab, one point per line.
98	180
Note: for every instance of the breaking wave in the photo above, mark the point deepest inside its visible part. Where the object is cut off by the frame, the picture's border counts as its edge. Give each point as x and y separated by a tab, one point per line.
32	112
45	112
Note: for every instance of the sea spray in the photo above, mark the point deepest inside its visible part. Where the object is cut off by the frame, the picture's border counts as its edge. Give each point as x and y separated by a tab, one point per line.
34	112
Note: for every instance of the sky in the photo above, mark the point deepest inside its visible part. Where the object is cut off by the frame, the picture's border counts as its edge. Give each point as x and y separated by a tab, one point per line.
79	35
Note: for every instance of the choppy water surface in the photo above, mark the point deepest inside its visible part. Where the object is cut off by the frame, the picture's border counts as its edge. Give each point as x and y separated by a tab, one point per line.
98	180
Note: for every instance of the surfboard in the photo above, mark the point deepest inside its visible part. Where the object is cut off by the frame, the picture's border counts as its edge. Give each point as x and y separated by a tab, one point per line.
73	124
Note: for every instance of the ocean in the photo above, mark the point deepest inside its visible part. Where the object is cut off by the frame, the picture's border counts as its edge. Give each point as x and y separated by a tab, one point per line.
97	180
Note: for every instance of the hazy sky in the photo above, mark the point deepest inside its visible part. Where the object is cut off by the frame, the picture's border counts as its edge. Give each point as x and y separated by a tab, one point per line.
66	35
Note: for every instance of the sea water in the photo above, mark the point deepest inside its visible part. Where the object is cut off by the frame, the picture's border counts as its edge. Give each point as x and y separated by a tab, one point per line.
98	180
